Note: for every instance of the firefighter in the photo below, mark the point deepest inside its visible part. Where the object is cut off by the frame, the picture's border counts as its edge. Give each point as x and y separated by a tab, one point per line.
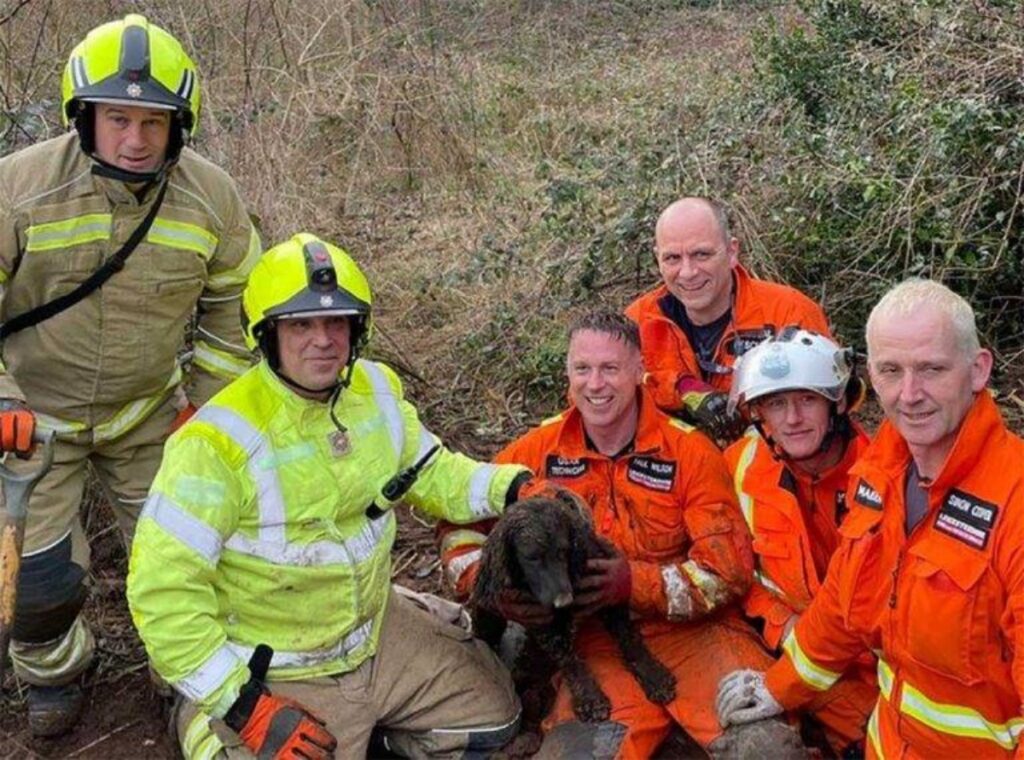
930	570
707	312
791	472
119	200
659	491
260	572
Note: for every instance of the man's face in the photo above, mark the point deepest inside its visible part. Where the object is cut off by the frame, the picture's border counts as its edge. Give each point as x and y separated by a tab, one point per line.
132	138
604	373
313	350
696	263
924	381
797	420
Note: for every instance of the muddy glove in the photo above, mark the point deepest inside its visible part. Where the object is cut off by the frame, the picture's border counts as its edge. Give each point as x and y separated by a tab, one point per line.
17	424
744	698
607	582
709	411
275	727
520	607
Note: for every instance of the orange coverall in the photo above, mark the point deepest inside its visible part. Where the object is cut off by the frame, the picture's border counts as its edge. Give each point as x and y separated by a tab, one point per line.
760	309
670	508
794	518
942	608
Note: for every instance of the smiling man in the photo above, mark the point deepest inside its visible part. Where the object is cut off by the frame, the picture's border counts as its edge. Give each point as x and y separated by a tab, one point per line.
707	312
260	576
929	573
659	491
791	473
119	201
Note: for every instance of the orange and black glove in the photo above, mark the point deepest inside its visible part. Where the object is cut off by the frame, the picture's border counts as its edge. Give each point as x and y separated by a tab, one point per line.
607	582
709	411
275	728
17	424
183	416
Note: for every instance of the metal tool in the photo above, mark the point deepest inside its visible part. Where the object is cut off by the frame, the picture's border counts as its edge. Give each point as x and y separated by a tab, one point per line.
17	488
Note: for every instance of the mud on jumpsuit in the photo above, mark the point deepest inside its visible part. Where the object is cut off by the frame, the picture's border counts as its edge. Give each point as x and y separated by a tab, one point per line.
669	506
794	519
760	309
104	373
943	608
256	531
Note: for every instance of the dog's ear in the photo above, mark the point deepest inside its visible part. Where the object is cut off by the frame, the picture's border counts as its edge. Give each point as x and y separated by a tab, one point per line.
493	575
579	549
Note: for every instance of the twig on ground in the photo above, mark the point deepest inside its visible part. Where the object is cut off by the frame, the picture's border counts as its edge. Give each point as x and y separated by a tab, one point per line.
103	738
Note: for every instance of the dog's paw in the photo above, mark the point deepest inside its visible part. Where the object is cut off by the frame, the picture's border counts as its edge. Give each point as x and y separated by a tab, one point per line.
659	685
593	708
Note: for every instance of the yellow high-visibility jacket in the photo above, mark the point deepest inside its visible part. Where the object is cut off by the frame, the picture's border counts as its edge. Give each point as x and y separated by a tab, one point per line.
255	530
106	362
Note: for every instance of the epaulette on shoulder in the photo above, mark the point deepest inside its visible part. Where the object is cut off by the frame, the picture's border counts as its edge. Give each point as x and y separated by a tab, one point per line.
685	427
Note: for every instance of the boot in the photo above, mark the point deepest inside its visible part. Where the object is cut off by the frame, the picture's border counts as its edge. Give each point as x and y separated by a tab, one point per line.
54	710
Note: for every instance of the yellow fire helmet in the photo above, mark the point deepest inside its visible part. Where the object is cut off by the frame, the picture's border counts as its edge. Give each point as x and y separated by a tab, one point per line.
305	276
131	62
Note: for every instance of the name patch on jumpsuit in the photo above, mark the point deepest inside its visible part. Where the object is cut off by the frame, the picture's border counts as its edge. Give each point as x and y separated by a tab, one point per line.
867	496
967	518
564	467
656	474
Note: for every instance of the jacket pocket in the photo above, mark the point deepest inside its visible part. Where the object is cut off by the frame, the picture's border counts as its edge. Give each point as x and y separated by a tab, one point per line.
863	581
943	622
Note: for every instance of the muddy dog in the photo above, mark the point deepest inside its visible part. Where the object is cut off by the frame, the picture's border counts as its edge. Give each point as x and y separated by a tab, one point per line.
541	546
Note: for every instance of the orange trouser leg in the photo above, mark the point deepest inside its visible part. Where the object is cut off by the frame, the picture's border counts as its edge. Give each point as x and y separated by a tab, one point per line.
844	710
699	655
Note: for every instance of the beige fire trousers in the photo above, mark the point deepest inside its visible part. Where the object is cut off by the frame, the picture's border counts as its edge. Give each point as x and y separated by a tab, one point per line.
431	690
124	467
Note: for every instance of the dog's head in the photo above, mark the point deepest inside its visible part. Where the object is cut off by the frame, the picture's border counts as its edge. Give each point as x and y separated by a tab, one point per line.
541	546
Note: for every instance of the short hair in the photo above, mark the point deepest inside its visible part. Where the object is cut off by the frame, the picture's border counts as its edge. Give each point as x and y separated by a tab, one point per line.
904	299
610	323
721	216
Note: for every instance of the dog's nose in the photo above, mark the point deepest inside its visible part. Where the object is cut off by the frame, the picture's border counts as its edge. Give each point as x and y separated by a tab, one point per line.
563	600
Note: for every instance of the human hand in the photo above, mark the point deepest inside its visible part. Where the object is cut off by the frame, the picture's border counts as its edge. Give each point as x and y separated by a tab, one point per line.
607	582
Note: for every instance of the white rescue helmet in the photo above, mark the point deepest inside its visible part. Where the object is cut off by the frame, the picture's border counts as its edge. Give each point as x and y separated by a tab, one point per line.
794	360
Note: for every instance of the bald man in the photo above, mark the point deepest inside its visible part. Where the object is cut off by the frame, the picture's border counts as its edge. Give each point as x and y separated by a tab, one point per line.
707	312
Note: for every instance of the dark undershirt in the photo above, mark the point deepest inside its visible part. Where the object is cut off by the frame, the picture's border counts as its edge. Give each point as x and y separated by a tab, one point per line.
627	449
703	338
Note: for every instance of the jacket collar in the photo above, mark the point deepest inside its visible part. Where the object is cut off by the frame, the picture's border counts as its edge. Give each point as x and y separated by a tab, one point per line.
982	427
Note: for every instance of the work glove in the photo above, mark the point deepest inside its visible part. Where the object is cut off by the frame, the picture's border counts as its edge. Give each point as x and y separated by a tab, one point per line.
709	411
607	582
274	727
744	698
17	424
520	607
183	416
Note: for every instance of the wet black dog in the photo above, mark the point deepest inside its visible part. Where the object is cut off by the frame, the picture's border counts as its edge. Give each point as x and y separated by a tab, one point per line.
541	546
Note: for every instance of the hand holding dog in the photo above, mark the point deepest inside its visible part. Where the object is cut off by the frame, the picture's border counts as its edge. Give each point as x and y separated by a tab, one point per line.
608	582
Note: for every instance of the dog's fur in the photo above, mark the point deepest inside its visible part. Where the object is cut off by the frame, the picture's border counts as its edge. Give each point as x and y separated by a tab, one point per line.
541	546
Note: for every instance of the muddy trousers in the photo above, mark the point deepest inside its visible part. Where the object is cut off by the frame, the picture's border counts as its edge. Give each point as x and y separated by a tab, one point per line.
431	690
699	656
51	643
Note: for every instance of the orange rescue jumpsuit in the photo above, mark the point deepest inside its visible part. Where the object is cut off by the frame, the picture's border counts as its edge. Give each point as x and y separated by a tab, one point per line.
942	608
760	309
669	506
794	518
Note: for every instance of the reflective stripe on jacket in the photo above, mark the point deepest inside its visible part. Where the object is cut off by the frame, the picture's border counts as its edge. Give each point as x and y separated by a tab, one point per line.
668	506
944	607
786	576
256	530
760	309
101	361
